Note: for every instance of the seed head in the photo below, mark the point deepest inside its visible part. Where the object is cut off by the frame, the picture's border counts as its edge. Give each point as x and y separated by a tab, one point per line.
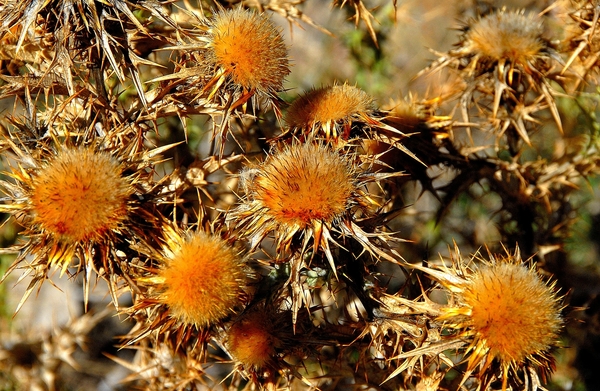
250	340
508	35
202	279
248	48
79	195
303	184
502	57
330	110
72	200
76	202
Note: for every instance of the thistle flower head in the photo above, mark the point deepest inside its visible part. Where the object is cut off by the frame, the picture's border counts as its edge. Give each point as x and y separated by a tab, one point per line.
303	188
507	35
329	111
70	199
514	313
503	57
248	50
302	185
511	314
79	195
238	56
75	202
251	340
201	279
503	40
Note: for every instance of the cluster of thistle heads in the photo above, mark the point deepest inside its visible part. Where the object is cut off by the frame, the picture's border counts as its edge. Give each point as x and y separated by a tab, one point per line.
279	247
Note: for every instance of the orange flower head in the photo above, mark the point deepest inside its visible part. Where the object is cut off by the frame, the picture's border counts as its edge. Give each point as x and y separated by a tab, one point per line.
77	202
507	35
302	188
330	110
511	314
202	280
304	184
250	49
250	340
304	191
79	195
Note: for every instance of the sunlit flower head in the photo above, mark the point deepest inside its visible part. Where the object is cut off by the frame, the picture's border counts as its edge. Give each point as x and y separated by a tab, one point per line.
201	278
505	40
79	195
510	314
248	50
329	111
505	62
306	189
235	58
74	202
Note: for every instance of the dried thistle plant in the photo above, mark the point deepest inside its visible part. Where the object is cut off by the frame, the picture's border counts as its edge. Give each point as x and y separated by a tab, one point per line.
259	237
76	202
506	65
236	56
303	188
201	278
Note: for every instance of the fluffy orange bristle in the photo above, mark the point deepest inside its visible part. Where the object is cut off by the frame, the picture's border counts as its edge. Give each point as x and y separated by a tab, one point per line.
303	184
80	195
250	340
203	279
250	48
512	310
327	105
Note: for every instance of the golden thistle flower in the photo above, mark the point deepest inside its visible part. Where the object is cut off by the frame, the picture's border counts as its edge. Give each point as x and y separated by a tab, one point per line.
251	340
201	278
508	311
248	49
238	55
333	113
330	110
303	188
74	202
80	195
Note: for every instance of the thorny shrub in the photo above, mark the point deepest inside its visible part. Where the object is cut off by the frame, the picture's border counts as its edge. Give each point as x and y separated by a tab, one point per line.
295	245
